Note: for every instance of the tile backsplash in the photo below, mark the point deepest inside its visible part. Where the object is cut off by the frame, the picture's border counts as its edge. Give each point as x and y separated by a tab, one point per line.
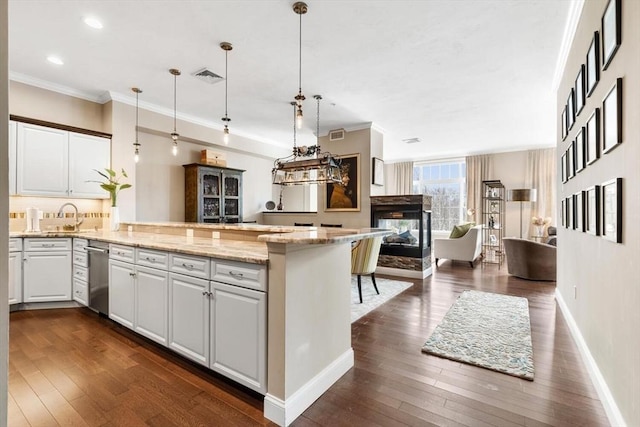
94	211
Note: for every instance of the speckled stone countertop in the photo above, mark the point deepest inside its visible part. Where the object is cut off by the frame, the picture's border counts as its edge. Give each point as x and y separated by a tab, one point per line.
254	252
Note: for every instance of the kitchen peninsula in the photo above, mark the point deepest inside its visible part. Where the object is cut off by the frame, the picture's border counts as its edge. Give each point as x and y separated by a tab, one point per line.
306	279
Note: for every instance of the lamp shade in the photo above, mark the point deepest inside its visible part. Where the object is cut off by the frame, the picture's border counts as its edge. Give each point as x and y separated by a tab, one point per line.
521	195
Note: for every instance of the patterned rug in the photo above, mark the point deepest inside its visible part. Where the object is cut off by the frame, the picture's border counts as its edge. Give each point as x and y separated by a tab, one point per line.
370	300
488	330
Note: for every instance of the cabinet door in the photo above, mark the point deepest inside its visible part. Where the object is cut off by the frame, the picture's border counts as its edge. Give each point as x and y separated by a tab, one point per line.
232	209
47	276
152	308
87	153
210	189
42	166
189	317
238	334
13	135
121	292
15	277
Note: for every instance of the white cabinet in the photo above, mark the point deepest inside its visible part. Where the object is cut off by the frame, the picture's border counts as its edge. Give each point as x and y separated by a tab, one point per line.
15	277
122	292
80	271
151	303
238	334
189	317
12	157
54	162
47	276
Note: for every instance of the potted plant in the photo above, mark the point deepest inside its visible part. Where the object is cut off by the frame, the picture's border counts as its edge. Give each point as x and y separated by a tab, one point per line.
113	185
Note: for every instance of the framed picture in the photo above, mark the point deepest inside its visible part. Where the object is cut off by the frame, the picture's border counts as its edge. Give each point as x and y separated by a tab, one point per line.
592	68
580	159
571	160
570	217
563	212
563	166
611	31
592	137
612	118
592	210
345	196
377	171
571	112
563	123
612	210
579	210
579	90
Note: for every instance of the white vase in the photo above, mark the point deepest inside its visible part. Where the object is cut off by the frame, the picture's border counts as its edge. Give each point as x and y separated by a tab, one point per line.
114	218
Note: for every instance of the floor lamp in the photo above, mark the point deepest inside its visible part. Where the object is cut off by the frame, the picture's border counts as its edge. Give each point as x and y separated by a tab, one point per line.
521	195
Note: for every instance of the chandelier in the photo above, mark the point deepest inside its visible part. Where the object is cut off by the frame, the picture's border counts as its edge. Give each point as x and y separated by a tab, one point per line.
307	164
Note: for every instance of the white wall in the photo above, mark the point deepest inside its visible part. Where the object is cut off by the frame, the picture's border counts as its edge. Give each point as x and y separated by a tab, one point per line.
605	274
4	210
510	169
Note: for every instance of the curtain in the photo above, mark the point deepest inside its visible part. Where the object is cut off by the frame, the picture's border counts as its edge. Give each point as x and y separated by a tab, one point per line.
479	168
541	175
399	178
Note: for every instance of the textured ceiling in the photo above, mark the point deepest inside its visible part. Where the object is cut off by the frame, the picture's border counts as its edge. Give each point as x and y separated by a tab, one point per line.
464	76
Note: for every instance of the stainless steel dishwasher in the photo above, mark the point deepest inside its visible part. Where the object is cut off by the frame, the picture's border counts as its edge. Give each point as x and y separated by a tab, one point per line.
98	276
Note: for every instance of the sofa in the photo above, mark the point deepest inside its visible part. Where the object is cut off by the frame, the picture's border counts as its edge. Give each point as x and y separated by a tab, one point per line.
465	248
530	260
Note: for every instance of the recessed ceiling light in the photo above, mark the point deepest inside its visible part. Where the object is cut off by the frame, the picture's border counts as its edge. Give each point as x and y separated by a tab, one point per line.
55	60
93	23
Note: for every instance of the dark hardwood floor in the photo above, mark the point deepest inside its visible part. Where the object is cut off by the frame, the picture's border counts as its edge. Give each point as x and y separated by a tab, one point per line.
70	367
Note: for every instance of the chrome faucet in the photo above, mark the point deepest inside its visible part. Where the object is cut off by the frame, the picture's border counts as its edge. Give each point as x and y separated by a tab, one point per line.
78	221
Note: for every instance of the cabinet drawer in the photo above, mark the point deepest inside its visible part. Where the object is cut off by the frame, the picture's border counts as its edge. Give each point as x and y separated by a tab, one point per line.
251	276
80	293
151	258
15	244
80	273
122	253
80	258
50	244
190	265
80	245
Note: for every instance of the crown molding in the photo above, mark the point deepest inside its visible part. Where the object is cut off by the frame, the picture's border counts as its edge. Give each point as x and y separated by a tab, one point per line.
53	87
575	11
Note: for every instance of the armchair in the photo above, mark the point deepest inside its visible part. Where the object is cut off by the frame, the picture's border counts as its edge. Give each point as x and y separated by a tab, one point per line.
465	248
530	260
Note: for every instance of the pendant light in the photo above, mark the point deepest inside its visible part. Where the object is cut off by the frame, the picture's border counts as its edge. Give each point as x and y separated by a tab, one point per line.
226	46
174	134
136	145
300	8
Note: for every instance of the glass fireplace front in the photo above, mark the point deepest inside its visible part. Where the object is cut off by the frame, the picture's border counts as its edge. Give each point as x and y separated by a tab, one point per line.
411	228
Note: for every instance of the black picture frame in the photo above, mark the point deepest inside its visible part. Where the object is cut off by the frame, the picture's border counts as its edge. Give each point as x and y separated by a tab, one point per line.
579	210
571	160
579	91
580	157
592	137
592	210
563	167
571	112
612	210
345	196
377	171
612	117
563	123
592	64
570	213
563	212
611	31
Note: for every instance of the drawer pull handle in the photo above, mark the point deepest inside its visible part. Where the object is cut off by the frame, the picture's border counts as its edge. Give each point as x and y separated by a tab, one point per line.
48	245
188	266
236	274
150	259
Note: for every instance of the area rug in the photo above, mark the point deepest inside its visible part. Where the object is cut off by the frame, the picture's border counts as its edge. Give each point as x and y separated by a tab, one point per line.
388	289
488	330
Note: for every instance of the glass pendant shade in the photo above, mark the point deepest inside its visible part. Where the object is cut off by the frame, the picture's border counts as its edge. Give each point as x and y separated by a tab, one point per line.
136	145
174	135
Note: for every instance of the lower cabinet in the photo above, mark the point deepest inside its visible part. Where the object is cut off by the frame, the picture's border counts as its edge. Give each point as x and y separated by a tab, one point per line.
122	292
238	334
47	276
151	306
15	277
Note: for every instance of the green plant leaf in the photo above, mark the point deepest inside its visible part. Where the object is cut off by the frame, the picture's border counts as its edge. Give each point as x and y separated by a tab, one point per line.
123	186
105	176
111	172
124	173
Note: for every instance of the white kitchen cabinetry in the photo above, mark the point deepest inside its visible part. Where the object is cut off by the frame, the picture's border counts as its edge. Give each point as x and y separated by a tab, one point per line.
12	157
122	292
151	307
189	317
80	271
15	271
47	269
238	334
54	162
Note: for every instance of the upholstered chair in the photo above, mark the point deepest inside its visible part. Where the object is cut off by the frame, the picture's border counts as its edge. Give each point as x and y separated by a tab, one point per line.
530	260
465	248
364	259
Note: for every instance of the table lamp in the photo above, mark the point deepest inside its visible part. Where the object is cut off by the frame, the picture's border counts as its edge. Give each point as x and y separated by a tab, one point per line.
521	195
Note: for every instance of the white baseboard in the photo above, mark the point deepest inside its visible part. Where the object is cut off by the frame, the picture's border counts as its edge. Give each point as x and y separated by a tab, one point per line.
610	406
284	412
412	274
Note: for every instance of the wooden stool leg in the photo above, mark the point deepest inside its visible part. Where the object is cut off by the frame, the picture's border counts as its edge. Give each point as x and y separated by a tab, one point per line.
373	279
360	288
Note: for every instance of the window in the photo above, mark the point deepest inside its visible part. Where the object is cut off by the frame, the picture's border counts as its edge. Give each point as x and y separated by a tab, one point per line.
445	182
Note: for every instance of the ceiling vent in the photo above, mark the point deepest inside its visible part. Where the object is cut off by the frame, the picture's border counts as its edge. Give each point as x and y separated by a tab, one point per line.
208	76
336	135
411	140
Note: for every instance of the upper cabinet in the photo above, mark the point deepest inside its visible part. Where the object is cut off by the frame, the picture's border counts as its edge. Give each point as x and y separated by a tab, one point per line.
54	162
212	194
12	157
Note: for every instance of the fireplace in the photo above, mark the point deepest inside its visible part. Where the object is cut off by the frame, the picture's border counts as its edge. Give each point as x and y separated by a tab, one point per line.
409	216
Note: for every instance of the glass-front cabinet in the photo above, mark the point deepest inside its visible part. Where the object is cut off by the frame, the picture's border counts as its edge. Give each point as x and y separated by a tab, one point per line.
212	194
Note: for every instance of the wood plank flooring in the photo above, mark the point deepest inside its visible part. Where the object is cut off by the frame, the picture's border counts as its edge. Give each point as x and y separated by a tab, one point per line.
72	368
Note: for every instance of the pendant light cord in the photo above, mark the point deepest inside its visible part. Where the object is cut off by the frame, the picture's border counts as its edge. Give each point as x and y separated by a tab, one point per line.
137	92
300	57
174	102
226	81
295	151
